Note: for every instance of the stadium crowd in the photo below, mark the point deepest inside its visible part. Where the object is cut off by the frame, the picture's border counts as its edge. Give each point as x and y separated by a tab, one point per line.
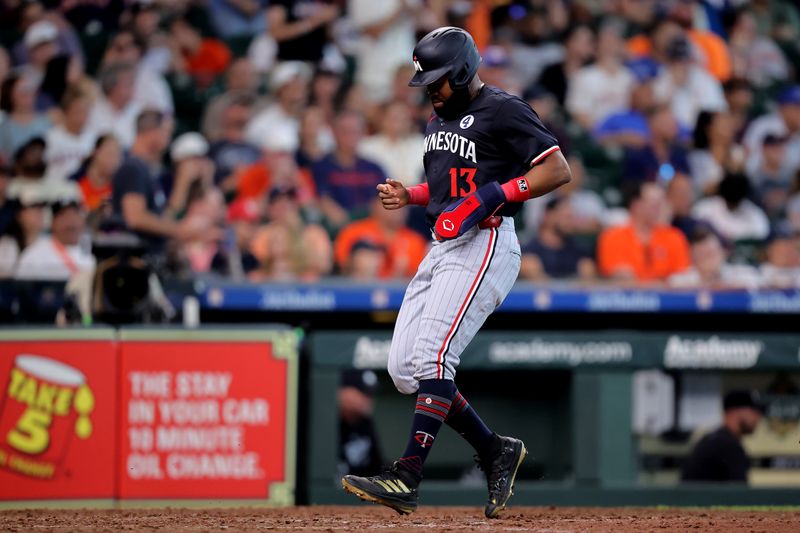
245	138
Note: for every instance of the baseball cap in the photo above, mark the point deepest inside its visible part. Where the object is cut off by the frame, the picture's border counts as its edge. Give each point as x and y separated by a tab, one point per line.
40	32
643	69
286	72
772	139
187	145
364	380
678	49
282	192
62	204
790	96
281	139
743	398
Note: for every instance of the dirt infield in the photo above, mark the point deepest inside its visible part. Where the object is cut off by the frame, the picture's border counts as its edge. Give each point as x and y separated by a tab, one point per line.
373	518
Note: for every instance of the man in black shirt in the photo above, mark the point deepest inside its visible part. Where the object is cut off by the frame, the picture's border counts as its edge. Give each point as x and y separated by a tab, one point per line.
719	456
300	27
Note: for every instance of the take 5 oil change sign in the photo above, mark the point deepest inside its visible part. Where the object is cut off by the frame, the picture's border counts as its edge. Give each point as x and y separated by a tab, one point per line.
207	415
57	417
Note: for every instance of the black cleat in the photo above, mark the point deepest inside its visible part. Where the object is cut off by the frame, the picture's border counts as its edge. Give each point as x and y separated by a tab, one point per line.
501	468
395	488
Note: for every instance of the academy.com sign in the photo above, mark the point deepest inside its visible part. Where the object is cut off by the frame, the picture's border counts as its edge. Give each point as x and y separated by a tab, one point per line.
711	352
570	353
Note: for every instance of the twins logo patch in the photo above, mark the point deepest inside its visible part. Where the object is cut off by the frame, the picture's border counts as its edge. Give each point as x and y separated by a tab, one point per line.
425	439
466	122
522	184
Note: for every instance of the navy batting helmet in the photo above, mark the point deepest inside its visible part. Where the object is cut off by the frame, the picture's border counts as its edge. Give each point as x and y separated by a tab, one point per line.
446	51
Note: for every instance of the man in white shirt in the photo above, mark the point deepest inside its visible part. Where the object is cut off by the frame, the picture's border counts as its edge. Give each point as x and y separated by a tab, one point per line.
58	256
396	147
604	88
115	111
785	122
687	87
289	84
731	214
710	268
69	143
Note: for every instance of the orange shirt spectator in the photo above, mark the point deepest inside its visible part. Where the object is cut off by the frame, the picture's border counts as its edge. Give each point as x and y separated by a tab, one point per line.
255	180
716	57
646	248
209	60
666	253
405	248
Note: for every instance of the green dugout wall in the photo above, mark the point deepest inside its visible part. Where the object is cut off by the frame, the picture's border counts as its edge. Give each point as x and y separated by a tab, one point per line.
568	395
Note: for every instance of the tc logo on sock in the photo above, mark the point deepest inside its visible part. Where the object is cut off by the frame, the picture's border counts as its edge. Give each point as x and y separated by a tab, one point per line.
425	439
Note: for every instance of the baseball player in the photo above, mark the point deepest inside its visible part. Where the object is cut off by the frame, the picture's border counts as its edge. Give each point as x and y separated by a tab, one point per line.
486	152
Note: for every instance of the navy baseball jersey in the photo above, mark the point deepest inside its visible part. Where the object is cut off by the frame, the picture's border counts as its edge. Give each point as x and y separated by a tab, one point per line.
497	138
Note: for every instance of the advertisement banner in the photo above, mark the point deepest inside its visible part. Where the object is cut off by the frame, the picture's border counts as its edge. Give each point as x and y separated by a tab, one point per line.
206	417
57	416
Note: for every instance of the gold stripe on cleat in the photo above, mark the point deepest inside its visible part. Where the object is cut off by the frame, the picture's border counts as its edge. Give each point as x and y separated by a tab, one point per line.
403	510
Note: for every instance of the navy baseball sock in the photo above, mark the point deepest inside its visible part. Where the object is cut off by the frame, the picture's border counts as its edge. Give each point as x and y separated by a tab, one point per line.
469	425
433	404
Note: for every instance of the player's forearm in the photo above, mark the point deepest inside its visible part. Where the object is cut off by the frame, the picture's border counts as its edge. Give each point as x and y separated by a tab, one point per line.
550	174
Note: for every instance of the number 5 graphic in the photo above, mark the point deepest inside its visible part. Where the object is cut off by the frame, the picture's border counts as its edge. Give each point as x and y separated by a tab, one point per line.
457	189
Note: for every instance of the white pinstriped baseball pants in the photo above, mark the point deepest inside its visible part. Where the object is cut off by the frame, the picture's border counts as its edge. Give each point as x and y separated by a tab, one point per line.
457	286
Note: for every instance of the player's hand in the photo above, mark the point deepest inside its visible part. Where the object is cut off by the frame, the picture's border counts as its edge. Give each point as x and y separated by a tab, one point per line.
469	211
393	194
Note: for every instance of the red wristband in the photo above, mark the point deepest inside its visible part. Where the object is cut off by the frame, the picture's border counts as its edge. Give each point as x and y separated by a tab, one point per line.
418	194
517	189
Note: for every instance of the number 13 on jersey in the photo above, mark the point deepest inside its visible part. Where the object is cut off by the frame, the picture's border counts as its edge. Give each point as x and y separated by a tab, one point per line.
462	181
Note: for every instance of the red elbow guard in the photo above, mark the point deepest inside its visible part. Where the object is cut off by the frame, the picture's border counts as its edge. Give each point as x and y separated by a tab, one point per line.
418	194
517	189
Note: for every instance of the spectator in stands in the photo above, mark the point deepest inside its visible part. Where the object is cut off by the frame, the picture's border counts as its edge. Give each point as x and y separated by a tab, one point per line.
781	269
400	249
345	181
739	96
662	157
205	204
644	249
287	248
396	147
150	90
25	227
596	91
234	259
277	167
578	51
237	18
115	111
22	122
61	73
190	166
793	205
629	128
201	58
554	252
365	261
686	87
325	91
69	143
785	122
229	150
719	456
102	164
731	213
289	84
771	169
755	57
316	137
386	40
681	196
241	82
714	150
300	27
145	24
137	197
710	268
41	45
58	256
359	449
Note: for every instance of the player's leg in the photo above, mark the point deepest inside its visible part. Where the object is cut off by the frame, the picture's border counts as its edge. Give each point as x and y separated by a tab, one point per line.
500	457
396	488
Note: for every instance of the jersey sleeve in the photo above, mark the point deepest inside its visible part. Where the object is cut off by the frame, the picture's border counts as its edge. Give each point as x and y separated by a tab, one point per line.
527	140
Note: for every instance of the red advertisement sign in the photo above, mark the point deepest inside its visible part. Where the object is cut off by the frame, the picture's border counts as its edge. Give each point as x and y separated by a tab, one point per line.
201	419
57	419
